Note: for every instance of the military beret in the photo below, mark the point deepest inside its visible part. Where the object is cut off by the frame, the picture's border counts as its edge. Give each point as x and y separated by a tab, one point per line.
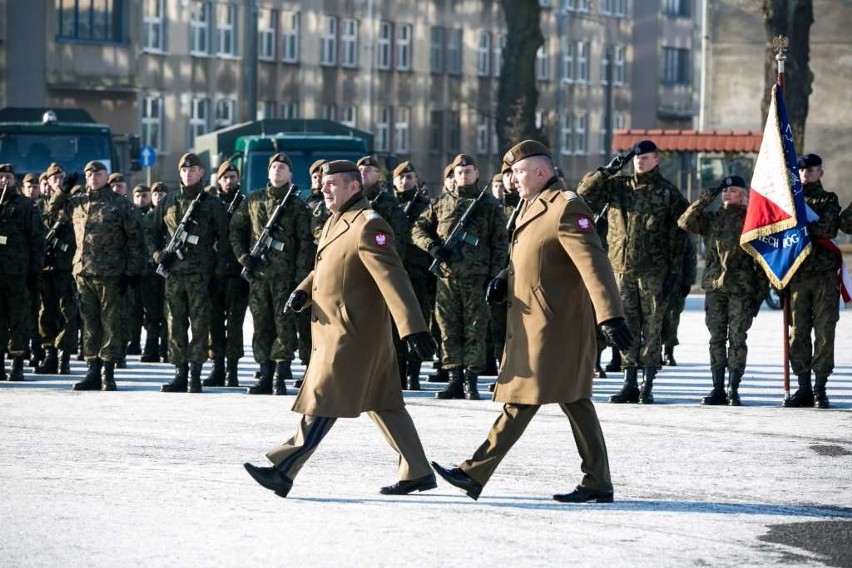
403	168
115	177
368	161
95	166
734	181
6	169
809	161
76	189
159	187
141	188
42	177
280	157
225	167
315	167
188	160
338	167
54	169
30	178
505	168
448	170
644	147
498	178
463	160
525	149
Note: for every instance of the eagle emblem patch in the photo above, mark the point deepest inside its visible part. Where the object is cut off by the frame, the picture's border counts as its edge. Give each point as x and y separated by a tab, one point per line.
584	223
381	239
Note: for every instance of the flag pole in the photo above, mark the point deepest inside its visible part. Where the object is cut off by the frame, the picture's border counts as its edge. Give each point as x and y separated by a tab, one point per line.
780	44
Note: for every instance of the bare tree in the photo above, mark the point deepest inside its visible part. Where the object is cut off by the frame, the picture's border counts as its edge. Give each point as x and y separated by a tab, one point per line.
792	18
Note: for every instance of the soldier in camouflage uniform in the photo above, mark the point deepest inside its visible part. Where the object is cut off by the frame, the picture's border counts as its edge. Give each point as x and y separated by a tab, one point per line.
414	200
21	261
194	278
154	293
814	293
275	275
31	190
735	285
229	304
108	260
677	302
460	307
141	196
646	249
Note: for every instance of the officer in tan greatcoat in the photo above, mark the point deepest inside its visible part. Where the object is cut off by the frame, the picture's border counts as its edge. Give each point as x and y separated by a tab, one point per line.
357	285
557	284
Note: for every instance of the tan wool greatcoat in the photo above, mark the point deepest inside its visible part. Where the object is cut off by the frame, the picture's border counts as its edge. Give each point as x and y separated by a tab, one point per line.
558	270
357	285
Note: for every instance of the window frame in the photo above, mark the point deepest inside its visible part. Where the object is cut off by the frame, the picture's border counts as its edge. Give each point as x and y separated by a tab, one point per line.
290	37
349	43
149	120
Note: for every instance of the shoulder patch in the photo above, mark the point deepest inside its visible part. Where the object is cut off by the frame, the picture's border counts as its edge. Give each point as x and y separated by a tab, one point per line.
381	239
585	223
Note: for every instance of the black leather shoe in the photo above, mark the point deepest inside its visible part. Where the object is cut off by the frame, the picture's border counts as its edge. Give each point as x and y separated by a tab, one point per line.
460	479
270	478
410	486
583	495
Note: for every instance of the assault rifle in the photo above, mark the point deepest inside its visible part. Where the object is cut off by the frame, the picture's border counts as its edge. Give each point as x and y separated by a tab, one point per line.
420	191
235	202
265	241
52	239
510	225
459	235
182	236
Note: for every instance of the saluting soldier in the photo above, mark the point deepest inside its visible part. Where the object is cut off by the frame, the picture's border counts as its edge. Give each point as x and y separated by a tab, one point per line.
108	260
193	278
275	274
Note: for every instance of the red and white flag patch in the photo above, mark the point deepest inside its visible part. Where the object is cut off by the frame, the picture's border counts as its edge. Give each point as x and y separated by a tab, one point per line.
381	239
584	223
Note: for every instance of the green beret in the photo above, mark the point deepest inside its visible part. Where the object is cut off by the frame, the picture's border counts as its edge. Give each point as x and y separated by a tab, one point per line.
403	168
42	177
225	167
141	188
280	157
115	177
6	169
448	170
498	178
315	167
523	150
159	187
463	160
505	168
188	160
338	167
95	166
30	178
368	161
54	169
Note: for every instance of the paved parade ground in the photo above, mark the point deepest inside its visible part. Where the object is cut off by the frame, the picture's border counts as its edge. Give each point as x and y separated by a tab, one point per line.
142	478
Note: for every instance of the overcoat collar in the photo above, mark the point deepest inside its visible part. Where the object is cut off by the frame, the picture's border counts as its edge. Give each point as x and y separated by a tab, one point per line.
538	207
335	229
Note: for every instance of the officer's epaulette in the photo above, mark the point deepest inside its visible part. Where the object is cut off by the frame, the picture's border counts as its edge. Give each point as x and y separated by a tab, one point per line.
570	194
371	215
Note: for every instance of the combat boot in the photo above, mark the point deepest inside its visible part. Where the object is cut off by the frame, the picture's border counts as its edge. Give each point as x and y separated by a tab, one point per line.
717	396
412	373
283	373
629	390
490	366
734	380
614	365
216	378
64	363
151	352
668	357
134	347
164	348
645	394
178	384
471	390
92	380
455	388
804	397
50	365
108	378
3	376
264	383
440	376
194	385
232	377
599	370
820	398
36	356
17	373
121	362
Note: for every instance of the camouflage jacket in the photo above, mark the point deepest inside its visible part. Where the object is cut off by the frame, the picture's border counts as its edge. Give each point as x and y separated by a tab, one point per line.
414	202
292	230
318	212
209	224
385	203
231	203
479	262
824	203
21	235
729	268
107	232
643	235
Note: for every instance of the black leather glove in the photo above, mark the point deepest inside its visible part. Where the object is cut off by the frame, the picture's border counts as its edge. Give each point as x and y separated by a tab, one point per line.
496	291
296	301
423	344
445	254
167	259
716	190
617	333
251	263
33	280
614	166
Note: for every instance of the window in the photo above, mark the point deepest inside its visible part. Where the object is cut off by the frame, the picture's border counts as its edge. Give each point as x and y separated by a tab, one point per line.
482	133
483	59
266	34
199	28
498	54
102	22
328	112
436	50
349	43
350	116
567	135
154	19
383	46
616	8
582	68
289	110
569	5
328	42
581	135
454	53
266	109
403	47
290	37
675	66
152	121
678	8
225	112
382	139
436	131
583	5
542	63
226	30
567	60
454	122
618	77
402	131
198	119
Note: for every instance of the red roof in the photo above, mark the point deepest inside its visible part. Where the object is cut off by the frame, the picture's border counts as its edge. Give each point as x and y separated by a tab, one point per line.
691	140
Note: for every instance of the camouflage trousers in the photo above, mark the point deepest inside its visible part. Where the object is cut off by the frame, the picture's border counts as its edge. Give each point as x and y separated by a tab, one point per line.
57	320
671	319
188	306
814	307
228	313
463	317
644	308
728	318
274	331
15	318
102	315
